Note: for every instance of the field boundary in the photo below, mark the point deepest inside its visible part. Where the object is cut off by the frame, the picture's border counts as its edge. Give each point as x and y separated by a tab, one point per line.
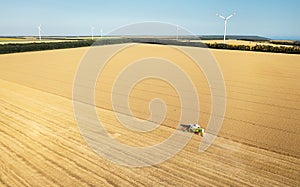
26	47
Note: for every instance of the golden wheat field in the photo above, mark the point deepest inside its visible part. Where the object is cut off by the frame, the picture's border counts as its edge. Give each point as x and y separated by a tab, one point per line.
258	144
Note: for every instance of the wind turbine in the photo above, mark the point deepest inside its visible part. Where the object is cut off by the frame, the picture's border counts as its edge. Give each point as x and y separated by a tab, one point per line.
92	30
225	23
39	30
177	30
101	32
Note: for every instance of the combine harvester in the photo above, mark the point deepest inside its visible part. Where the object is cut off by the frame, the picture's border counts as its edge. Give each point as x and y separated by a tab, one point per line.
194	128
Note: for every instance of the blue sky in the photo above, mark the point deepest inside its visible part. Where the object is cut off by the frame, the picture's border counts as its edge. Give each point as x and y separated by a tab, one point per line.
257	17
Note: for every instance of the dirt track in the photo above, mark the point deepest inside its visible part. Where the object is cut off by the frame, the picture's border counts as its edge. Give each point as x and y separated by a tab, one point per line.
258	143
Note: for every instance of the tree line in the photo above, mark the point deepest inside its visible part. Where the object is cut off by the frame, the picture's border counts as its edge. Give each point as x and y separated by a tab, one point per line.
15	48
261	48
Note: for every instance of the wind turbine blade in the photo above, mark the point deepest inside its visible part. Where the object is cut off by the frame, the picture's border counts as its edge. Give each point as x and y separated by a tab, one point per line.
230	16
221	16
40	28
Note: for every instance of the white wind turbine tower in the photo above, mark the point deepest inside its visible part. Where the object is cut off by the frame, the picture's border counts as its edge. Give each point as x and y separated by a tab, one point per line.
225	23
101	33
177	31
92	30
39	30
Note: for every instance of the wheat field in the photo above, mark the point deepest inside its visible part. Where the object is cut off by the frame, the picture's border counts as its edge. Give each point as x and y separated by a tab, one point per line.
258	144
